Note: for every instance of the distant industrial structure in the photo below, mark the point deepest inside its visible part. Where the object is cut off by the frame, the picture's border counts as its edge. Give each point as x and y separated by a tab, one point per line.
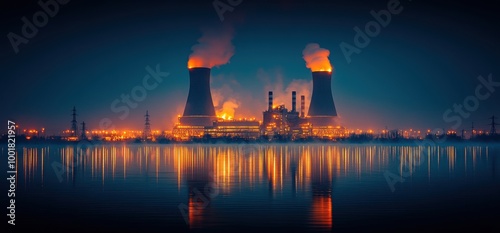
84	132
320	122
493	129
74	124
146	134
200	121
199	118
72	134
199	109
279	122
322	112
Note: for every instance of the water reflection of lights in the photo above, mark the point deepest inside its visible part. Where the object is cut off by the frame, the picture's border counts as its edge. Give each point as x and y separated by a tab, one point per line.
301	169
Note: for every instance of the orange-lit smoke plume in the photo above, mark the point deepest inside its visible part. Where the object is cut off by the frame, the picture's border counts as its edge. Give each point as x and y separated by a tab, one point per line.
214	48
225	107
228	109
317	58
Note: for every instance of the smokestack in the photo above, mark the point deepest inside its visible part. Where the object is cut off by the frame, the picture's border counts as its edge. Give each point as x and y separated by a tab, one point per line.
270	101
294	101
199	110
322	109
302	106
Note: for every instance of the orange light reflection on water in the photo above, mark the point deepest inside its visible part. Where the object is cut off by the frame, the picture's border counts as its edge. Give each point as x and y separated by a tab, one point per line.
308	168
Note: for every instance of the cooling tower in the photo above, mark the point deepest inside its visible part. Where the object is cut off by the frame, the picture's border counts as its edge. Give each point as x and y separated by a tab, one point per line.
199	110
322	110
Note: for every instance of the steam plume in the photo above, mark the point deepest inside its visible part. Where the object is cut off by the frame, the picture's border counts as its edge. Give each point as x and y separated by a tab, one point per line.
214	48
317	58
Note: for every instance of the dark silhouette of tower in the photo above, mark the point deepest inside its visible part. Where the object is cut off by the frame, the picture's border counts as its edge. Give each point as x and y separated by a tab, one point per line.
493	125
322	109
294	101
270	103
147	127
199	110
302	106
74	124
84	133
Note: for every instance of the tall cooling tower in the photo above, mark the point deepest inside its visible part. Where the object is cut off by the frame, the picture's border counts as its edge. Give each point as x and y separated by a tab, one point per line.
199	110
322	110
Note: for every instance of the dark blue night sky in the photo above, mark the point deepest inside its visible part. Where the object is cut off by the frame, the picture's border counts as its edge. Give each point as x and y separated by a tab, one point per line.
424	61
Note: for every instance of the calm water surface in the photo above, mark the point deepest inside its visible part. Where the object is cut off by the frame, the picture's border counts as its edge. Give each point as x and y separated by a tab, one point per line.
243	188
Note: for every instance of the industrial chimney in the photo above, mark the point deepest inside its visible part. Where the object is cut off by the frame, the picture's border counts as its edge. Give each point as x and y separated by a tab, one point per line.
322	109
270	101
294	101
302	106
199	110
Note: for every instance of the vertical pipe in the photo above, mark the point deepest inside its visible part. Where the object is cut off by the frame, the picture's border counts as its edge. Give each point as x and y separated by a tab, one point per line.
270	101
302	105
294	101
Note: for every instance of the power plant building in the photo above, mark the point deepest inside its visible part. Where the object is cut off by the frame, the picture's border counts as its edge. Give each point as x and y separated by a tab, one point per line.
278	121
199	118
247	129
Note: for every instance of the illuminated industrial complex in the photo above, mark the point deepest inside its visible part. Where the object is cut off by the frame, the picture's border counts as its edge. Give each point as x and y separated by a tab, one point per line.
200	121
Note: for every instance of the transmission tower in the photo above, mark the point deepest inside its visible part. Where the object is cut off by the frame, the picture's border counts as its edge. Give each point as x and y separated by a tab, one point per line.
147	127
493	129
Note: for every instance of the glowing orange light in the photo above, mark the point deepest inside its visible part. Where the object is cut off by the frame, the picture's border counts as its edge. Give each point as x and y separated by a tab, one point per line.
195	62
317	58
321	212
225	116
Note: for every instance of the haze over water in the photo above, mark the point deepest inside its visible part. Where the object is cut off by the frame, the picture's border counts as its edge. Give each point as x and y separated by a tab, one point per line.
209	188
